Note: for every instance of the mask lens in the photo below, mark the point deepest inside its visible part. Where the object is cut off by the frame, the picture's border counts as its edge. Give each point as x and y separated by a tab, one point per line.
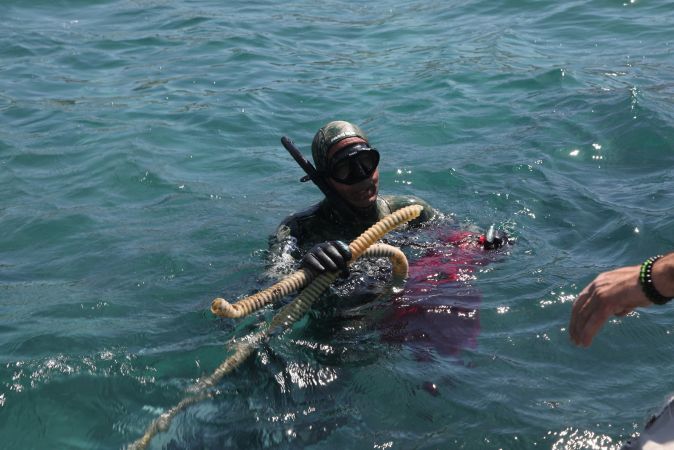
341	170
368	161
355	168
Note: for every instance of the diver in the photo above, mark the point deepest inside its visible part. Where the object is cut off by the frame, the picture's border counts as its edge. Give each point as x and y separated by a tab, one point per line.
346	170
425	316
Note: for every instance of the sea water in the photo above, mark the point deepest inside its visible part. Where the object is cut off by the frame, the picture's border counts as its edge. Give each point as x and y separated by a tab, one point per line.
141	173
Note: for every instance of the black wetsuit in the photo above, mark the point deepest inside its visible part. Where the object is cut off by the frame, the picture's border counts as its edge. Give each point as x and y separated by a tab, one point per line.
323	222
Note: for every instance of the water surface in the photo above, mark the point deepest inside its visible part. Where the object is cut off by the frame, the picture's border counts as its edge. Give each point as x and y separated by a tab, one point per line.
142	172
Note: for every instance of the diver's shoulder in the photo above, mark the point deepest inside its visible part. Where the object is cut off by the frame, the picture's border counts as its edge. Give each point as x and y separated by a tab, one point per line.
307	213
396	202
303	219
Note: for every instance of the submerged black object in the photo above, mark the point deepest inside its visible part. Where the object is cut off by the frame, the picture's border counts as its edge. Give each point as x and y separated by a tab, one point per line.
495	239
313	175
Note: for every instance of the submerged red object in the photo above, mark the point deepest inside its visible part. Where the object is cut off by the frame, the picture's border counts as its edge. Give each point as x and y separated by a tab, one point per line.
438	308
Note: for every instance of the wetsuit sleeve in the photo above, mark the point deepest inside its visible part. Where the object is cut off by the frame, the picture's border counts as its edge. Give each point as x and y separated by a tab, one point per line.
427	214
288	243
284	251
400	201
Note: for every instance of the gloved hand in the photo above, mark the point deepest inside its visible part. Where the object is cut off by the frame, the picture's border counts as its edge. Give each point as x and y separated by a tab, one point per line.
494	239
327	256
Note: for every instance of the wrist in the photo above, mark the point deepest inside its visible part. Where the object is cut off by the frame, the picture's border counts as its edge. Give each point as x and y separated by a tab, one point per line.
663	275
647	280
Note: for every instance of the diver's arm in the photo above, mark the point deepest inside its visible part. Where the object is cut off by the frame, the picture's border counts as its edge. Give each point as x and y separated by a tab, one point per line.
616	293
426	214
396	202
283	252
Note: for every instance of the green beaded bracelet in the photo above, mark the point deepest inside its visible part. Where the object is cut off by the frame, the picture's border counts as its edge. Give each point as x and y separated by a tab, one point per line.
646	281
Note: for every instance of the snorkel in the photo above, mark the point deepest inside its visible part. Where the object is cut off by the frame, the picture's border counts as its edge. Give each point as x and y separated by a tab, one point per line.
313	175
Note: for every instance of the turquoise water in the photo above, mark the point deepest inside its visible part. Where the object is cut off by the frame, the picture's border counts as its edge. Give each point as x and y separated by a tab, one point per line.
141	173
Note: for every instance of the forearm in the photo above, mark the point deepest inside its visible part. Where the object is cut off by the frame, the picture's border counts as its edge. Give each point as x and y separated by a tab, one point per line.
283	253
618	292
663	275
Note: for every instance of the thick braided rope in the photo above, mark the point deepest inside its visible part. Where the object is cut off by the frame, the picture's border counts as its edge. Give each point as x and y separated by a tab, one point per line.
294	282
294	311
242	351
379	229
162	423
301	278
290	314
399	265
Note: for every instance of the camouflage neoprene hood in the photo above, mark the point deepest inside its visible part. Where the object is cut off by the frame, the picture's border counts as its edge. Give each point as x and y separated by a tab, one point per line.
329	135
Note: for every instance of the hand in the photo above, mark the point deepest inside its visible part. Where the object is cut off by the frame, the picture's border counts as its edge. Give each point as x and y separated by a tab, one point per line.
614	293
329	256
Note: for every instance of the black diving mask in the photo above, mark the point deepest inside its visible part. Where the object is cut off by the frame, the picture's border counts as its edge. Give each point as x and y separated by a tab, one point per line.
353	164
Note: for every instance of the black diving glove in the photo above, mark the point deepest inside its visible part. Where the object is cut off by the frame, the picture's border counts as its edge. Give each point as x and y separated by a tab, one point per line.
494	239
329	256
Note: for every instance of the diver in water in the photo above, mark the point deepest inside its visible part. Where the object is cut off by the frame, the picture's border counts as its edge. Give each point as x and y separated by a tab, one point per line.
347	166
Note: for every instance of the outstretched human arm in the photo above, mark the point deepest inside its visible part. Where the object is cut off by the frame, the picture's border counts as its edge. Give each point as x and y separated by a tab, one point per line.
616	293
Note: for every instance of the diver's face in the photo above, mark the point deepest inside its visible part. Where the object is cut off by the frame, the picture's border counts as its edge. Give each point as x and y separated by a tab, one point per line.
360	195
